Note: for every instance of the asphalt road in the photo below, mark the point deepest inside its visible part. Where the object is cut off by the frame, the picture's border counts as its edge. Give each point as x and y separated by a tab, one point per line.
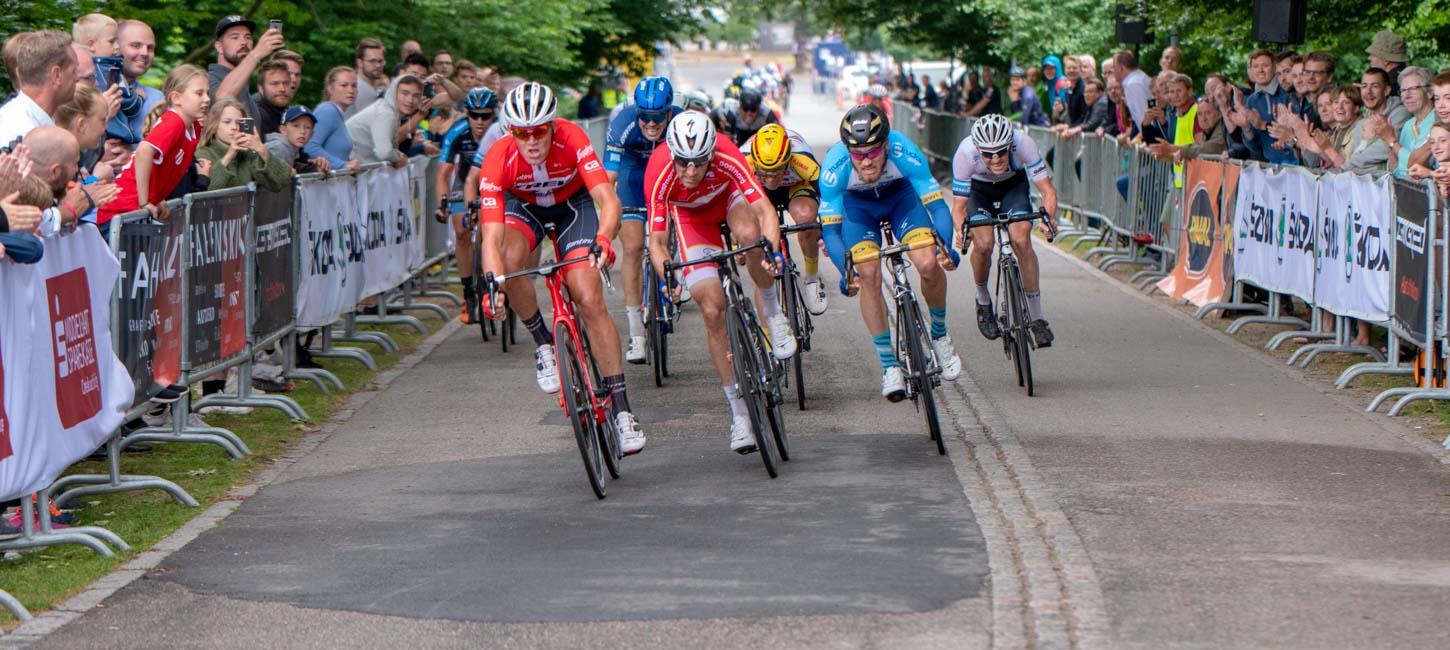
1167	487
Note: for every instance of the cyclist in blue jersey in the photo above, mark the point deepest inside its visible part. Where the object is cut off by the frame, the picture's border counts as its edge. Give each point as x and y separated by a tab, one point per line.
875	175
634	132
456	156
994	166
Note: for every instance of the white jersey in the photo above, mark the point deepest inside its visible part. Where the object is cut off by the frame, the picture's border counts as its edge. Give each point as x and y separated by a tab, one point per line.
968	164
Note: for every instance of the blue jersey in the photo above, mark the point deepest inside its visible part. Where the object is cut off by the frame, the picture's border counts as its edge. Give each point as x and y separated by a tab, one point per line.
498	130
842	189
458	149
627	152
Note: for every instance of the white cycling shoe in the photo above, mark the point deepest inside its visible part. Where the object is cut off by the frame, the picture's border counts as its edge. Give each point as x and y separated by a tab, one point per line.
946	355
546	369
742	441
893	384
631	439
636	352
782	337
814	294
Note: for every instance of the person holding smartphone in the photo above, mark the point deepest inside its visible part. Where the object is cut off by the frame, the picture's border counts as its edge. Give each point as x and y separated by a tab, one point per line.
237	153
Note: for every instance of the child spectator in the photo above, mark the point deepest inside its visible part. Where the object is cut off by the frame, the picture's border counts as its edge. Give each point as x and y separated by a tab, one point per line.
165	155
237	155
287	144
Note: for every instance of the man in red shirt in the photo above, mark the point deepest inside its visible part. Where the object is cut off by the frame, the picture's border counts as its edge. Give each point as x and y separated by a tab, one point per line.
545	179
706	181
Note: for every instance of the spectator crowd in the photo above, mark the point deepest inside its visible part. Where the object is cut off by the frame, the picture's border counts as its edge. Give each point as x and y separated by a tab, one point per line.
1284	109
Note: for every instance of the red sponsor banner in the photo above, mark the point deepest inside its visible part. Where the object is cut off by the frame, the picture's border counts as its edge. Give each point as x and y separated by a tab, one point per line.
77	377
1198	274
5	450
166	356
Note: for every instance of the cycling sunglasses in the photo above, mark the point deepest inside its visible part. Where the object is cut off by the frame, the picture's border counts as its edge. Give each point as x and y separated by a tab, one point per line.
702	161
654	117
989	155
481	116
530	133
869	154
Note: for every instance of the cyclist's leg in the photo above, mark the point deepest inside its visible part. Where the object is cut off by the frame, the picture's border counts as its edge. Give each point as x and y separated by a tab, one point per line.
577	224
463	252
803	209
631	247
700	237
1020	233
860	234
522	234
912	222
744	219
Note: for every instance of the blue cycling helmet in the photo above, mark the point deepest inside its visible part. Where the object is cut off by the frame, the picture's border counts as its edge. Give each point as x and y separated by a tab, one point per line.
480	99
654	94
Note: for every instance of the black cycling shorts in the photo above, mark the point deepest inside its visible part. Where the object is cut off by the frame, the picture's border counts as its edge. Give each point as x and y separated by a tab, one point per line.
1010	195
571	225
781	197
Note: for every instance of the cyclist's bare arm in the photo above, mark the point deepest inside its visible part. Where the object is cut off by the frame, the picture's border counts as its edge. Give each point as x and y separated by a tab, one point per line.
606	203
470	186
445	172
1049	202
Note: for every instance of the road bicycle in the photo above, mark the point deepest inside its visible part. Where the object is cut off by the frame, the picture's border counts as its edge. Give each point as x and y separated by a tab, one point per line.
919	365
506	330
582	395
793	306
758	374
661	312
1011	299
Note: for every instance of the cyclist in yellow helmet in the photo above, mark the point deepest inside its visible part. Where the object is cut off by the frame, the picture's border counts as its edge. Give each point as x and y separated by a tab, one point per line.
788	170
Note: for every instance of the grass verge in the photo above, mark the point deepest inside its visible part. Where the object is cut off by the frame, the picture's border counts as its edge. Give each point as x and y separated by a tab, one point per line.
44	578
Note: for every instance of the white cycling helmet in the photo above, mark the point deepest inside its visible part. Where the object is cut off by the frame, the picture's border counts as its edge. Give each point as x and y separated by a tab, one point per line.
691	135
530	104
991	132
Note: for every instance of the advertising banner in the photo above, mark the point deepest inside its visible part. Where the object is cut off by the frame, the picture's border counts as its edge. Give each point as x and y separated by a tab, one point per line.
1353	274
215	267
1198	276
1274	233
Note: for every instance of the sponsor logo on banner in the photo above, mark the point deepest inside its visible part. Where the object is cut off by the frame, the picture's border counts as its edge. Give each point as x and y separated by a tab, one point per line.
1198	276
1275	238
1409	298
1202	226
1353	275
77	377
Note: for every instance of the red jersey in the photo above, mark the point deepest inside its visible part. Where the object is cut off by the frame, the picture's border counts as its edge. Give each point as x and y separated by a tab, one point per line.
175	143
570	166
729	175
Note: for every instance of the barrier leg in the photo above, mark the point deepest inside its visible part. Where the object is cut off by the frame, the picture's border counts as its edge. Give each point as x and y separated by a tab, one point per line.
1273	316
16	609
1236	303
1419	394
90	531
1391	365
316	375
114	481
356	354
32	538
181	431
1313	334
350	334
406	294
246	398
1342	344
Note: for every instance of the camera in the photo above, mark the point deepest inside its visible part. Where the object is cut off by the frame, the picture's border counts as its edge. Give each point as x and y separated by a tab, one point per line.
275	24
247	125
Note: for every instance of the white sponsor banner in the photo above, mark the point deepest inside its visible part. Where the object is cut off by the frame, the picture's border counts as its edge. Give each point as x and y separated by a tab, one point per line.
421	210
389	234
64	390
1274	230
330	279
1353	277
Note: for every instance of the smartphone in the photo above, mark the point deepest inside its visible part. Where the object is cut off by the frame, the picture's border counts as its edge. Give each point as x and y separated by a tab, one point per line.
275	24
246	125
113	77
428	90
1152	103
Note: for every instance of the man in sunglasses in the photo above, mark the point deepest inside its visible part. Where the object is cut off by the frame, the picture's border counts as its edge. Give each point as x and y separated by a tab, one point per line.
543	179
994	165
786	166
456	164
704	181
876	176
633	135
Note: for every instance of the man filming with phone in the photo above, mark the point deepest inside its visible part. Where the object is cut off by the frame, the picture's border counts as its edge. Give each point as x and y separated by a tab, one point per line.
237	57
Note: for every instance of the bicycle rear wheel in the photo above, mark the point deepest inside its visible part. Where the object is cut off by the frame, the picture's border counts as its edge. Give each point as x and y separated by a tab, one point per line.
919	369
793	308
579	408
654	322
1018	317
506	329
748	368
483	323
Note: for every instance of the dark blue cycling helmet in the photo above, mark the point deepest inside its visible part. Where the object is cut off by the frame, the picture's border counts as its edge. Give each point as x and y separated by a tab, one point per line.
480	99
654	94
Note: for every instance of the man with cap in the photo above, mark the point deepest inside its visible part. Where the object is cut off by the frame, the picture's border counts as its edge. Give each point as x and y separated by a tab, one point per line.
237	57
1388	53
288	141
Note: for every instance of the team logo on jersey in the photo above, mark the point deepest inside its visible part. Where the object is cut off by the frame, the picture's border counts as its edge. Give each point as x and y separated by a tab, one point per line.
179	155
490	202
592	165
829	177
487	186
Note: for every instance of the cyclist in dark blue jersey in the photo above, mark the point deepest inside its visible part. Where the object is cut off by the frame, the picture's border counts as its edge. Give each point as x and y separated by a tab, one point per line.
633	135
456	159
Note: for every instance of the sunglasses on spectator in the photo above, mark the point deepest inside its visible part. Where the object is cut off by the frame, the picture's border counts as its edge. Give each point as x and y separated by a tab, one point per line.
480	116
992	155
654	117
694	162
869	154
530	133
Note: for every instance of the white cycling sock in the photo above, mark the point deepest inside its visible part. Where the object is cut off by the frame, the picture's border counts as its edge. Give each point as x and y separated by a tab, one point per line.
737	404
769	302
636	320
984	297
1034	305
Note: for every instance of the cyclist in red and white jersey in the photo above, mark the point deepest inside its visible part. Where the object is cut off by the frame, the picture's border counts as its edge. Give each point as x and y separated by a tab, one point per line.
544	179
702	181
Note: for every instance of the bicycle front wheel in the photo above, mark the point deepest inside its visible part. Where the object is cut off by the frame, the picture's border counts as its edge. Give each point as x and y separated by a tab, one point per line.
578	407
915	333
748	368
793	308
1018	317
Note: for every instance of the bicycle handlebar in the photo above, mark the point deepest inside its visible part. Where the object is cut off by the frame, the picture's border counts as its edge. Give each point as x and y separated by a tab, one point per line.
721	256
800	227
984	218
640	211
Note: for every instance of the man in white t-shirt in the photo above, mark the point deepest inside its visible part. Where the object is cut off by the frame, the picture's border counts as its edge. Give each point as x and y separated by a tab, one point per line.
1137	88
44	70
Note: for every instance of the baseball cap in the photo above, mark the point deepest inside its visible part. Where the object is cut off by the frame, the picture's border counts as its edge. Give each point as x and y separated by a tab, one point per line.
297	112
232	21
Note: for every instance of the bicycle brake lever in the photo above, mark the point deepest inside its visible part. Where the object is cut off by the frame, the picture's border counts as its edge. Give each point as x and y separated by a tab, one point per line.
604	276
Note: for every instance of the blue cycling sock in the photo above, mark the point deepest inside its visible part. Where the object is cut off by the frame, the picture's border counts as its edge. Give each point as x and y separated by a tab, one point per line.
938	321
885	350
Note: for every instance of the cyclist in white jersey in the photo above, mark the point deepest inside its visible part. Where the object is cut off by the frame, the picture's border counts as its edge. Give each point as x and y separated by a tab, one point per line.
994	166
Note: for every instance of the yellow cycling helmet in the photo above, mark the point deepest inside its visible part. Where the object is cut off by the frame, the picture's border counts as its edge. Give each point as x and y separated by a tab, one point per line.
770	148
